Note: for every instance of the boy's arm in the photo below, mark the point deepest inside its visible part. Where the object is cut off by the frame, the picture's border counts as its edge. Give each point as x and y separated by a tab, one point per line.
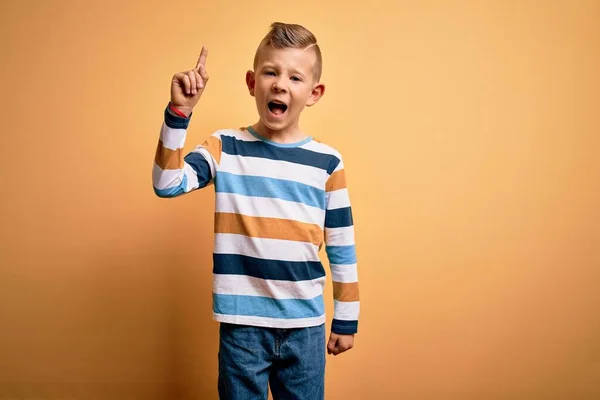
341	252
173	174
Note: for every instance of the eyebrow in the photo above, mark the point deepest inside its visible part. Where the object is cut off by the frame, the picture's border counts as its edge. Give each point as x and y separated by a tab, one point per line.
298	72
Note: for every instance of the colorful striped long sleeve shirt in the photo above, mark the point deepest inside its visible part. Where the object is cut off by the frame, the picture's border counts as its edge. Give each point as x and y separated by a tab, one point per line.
276	205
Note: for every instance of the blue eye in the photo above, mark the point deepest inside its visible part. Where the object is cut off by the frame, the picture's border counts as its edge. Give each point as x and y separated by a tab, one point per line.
271	73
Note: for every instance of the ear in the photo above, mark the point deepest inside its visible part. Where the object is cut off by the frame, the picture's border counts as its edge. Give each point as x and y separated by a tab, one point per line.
317	92
250	82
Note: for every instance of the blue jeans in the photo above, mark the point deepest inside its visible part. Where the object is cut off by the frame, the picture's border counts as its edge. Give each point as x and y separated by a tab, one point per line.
291	361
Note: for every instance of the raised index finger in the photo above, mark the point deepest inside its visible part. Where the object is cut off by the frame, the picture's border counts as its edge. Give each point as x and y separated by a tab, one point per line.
202	58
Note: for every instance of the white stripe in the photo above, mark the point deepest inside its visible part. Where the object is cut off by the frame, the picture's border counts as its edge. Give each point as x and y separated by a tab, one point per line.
270	322
239	135
339	236
271	249
306	174
344	273
172	138
164	179
192	178
346	310
268	207
337	199
275	289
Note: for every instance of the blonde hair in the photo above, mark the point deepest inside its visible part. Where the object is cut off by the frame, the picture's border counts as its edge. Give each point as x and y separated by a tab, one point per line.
282	36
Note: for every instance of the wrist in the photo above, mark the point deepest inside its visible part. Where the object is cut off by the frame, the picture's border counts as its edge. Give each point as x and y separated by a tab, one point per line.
180	111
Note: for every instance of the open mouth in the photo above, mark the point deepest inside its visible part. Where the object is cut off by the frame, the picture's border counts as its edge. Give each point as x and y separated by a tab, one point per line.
277	107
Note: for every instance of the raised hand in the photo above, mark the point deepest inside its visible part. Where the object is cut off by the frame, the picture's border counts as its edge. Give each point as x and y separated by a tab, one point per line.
188	86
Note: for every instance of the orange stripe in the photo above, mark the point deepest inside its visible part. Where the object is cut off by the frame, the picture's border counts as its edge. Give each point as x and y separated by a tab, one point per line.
336	181
213	145
345	291
268	228
167	158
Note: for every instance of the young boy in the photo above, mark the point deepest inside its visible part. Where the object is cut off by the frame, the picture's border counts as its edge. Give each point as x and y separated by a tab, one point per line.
280	195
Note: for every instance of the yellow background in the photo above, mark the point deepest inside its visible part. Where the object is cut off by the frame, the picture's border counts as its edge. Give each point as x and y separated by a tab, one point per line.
470	134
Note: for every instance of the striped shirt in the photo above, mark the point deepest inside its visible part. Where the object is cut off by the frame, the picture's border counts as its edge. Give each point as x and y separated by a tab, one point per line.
275	206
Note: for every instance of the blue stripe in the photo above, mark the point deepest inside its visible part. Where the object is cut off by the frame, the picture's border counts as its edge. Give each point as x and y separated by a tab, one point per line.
234	264
175	122
258	306
343	327
200	166
172	191
270	187
338	218
295	155
341	255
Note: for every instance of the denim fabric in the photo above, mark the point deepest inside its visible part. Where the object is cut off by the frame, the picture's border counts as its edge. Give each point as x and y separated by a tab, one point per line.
290	361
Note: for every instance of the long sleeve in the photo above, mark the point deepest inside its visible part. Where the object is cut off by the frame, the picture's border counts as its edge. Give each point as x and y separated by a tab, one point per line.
172	173
341	252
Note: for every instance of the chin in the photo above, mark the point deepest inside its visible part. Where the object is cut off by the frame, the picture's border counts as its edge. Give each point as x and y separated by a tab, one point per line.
276	125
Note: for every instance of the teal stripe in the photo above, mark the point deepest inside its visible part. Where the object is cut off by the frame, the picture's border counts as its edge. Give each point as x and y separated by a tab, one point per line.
258	306
259	186
296	155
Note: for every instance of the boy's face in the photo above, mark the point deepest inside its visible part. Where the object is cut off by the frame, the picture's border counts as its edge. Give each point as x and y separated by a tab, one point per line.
283	84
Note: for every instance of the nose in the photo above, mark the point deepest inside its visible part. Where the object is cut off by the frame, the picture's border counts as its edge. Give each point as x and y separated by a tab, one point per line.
278	85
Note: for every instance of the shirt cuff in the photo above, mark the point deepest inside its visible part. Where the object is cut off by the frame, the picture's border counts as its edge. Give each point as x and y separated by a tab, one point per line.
175	121
343	327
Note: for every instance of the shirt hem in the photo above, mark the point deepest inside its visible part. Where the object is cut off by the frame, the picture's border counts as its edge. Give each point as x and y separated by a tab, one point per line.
270	322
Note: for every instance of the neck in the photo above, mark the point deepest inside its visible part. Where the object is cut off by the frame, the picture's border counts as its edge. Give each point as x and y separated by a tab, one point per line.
290	134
